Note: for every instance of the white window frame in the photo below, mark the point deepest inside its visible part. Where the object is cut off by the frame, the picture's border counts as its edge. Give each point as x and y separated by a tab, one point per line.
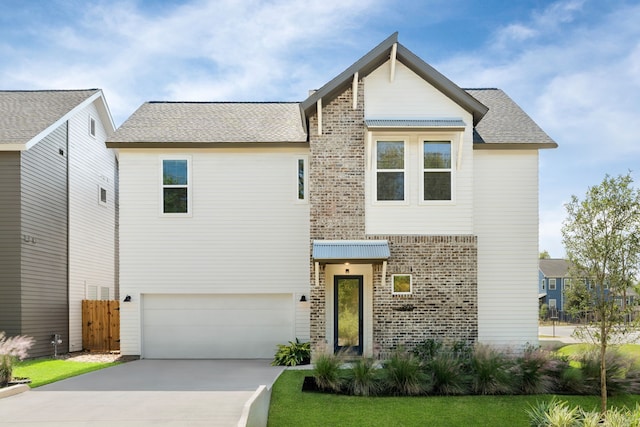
567	283
542	283
189	187
100	190
552	284
553	303
393	279
93	126
305	180
452	140
405	171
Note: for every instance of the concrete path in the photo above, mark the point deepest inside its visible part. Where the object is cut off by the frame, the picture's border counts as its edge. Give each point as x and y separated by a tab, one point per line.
144	393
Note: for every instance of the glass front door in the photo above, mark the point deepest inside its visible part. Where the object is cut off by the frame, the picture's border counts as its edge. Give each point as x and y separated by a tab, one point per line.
348	314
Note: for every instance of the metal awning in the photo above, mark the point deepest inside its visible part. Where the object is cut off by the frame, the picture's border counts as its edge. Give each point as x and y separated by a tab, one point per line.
542	295
415	123
338	251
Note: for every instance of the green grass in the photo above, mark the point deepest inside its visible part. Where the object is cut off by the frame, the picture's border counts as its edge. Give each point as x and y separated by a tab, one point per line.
290	407
630	350
46	371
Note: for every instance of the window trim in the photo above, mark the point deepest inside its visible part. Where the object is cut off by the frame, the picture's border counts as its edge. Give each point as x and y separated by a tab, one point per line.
544	286
305	179
552	284
393	285
93	126
189	187
437	137
405	171
106	195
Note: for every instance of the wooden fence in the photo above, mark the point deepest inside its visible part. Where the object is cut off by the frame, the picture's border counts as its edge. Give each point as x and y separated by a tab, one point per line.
100	325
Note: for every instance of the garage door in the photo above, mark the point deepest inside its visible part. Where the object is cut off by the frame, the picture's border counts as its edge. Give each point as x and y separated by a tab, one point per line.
215	326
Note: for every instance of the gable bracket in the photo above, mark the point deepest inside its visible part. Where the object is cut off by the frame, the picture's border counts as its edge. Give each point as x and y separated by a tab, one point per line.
394	51
354	89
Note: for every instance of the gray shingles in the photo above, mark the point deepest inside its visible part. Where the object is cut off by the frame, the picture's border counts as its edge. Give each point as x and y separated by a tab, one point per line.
506	122
24	114
554	267
212	122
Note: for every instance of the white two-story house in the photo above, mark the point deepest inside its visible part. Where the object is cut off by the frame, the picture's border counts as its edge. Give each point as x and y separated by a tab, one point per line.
389	207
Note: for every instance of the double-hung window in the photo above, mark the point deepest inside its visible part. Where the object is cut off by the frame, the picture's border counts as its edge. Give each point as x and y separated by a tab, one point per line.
175	186
437	171
390	171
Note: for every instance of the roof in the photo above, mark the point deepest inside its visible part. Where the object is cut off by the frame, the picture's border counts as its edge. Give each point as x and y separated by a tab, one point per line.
554	267
350	250
28	116
381	54
159	123
506	125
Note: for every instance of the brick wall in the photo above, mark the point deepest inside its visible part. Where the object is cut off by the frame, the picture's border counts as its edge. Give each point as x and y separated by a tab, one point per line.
443	268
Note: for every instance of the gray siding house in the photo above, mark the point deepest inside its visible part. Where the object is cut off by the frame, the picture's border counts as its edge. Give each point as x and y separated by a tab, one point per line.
57	212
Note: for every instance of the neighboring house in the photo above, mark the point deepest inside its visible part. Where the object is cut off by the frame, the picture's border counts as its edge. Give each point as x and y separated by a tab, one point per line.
553	278
377	213
58	184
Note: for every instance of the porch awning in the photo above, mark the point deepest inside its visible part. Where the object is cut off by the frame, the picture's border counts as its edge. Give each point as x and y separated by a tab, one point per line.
542	295
339	251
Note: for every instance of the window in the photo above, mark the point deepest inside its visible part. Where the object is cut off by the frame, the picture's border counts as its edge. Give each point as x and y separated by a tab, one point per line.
104	293
552	284
436	170
552	304
92	126
102	195
390	171
567	283
301	179
175	186
542	286
401	284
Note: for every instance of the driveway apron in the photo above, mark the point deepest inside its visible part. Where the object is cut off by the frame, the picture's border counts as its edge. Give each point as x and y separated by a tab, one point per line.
144	393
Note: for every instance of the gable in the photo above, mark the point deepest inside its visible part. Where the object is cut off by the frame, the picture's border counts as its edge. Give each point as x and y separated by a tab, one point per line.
408	96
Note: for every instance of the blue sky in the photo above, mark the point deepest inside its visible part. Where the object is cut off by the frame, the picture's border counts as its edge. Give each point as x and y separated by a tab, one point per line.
572	65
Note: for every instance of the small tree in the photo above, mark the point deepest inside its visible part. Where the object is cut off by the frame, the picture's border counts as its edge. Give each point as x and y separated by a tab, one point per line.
601	235
545	255
11	349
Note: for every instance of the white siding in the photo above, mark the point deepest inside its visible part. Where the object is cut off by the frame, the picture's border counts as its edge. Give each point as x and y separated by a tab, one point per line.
247	232
409	96
506	223
91	223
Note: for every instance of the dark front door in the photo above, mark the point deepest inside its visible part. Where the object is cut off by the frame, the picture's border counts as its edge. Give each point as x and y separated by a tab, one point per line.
348	314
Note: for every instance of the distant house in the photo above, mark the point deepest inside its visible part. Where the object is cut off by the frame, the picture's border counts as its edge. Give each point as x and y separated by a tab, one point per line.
553	277
58	212
376	213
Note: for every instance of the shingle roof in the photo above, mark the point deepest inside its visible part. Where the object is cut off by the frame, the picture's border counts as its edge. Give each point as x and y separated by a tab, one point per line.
554	267
25	114
211	122
506	123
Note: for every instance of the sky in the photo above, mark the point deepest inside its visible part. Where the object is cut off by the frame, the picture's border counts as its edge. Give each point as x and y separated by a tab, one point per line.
572	65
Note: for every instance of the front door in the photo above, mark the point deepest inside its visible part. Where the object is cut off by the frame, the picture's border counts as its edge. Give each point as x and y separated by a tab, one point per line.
348	314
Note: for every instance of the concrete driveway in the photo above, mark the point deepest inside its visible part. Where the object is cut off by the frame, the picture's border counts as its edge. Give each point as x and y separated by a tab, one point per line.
144	393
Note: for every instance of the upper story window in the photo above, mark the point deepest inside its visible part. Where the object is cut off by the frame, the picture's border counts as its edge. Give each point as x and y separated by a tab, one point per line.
390	170
92	126
542	285
102	195
552	284
302	179
175	186
436	170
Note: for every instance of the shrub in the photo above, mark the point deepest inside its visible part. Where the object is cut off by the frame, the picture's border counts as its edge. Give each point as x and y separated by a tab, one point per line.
489	371
447	374
11	349
538	413
295	353
327	372
532	371
427	349
362	379
556	413
618	366
403	375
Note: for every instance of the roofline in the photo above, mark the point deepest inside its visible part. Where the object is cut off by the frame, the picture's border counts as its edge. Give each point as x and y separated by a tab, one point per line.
185	144
513	145
43	134
378	56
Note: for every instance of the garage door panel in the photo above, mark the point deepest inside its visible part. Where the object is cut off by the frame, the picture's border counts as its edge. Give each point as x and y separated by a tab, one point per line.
216	326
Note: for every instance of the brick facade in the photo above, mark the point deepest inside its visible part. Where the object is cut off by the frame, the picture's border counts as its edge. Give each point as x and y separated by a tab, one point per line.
443	268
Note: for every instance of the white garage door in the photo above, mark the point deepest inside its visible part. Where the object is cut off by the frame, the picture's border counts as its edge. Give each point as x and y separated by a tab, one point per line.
215	326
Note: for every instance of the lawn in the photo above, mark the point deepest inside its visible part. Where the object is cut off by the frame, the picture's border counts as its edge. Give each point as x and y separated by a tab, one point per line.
45	371
290	406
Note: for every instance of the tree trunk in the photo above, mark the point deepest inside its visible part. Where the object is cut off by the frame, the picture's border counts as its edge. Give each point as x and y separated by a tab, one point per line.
603	368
